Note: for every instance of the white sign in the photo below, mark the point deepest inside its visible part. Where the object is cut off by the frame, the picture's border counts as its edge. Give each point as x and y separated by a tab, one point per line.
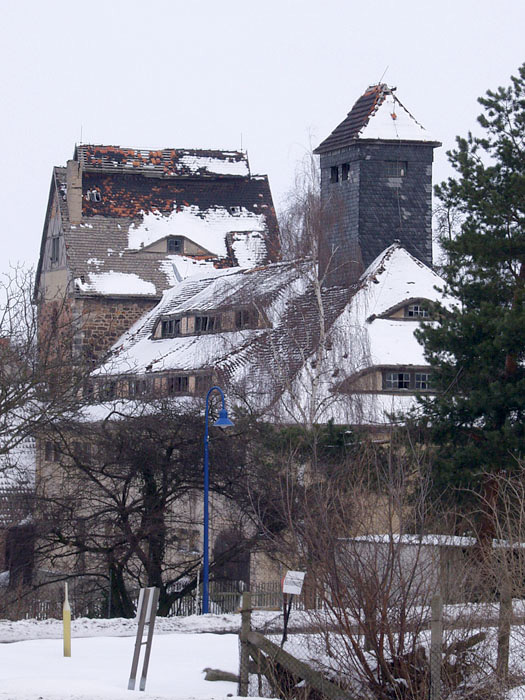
293	582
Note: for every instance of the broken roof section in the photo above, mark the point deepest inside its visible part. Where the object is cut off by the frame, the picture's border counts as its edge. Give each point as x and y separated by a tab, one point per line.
120	210
377	114
169	162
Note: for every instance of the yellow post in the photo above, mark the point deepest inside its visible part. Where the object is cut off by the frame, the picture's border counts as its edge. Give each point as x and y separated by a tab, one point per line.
66	620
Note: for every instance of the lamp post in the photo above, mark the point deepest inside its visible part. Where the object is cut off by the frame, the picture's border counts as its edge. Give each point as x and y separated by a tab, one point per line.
222	422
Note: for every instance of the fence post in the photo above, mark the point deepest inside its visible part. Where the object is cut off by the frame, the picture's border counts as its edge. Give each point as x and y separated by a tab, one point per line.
504	623
436	645
244	653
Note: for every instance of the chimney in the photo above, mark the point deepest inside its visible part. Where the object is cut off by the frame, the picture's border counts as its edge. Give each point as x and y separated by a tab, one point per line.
74	191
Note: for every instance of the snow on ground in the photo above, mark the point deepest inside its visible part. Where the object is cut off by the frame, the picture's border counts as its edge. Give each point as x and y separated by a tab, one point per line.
121	627
99	668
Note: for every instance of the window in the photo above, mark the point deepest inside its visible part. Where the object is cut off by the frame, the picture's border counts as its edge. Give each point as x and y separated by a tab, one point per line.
202	383
137	387
187	540
245	318
422	381
403	381
51	452
334	174
108	391
206	323
397	380
236	211
177	385
416	311
345	171
93	196
170	327
396	168
55	249
174	245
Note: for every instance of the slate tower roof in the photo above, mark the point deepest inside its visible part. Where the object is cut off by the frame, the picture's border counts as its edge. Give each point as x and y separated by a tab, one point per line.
376	184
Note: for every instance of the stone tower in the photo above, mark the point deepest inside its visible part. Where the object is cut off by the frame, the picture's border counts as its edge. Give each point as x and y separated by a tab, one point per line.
376	186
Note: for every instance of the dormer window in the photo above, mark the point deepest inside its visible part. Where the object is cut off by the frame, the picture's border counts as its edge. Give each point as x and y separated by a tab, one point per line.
177	385
93	196
246	318
170	327
207	324
416	311
407	380
174	244
235	211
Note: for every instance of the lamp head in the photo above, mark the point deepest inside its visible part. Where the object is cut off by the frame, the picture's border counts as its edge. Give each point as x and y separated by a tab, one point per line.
223	421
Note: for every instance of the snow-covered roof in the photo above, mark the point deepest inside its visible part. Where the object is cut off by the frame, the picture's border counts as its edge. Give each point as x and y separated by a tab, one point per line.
208	199
377	114
283	356
208	228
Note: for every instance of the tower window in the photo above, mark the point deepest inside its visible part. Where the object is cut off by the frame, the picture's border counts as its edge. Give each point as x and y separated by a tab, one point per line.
396	168
334	173
345	171
174	245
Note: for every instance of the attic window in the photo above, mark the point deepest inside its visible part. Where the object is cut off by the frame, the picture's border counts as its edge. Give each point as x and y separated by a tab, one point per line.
174	245
334	174
416	311
396	168
206	323
170	327
55	248
345	170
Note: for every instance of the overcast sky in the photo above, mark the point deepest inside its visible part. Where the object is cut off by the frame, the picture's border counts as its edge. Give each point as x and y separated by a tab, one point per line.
201	73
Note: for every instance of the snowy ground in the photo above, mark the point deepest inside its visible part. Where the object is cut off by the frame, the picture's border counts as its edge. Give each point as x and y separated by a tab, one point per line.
35	669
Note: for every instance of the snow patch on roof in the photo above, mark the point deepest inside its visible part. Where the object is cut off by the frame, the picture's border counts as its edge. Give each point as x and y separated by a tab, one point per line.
116	283
207	228
179	267
249	248
218	166
392	122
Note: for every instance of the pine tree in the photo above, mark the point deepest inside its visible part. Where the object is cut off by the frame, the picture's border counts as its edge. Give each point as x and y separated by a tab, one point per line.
477	348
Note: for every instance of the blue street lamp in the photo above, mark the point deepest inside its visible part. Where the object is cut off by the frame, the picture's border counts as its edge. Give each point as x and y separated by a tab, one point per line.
222	422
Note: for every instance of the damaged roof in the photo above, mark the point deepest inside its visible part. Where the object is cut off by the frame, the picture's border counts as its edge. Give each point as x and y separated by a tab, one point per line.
133	200
377	114
275	365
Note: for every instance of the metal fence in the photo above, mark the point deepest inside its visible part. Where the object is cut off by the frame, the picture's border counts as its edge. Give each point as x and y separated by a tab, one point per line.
225	597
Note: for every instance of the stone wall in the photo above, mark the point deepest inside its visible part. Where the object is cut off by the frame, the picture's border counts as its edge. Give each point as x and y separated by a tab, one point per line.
100	321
